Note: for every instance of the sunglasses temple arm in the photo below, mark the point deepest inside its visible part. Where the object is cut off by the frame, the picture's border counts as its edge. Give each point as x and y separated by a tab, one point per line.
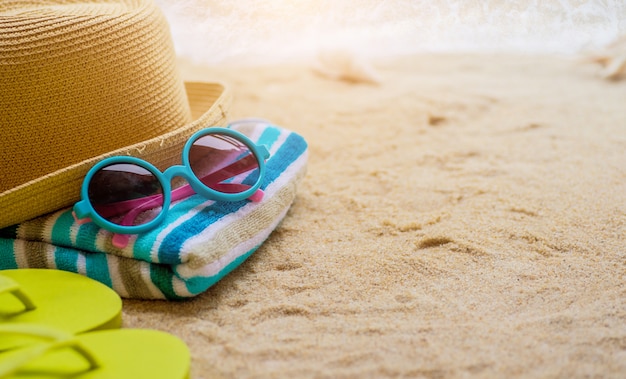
214	179
150	202
120	207
242	165
178	194
125	206
121	240
186	190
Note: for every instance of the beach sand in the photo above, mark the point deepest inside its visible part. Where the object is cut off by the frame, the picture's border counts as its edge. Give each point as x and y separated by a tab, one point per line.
463	217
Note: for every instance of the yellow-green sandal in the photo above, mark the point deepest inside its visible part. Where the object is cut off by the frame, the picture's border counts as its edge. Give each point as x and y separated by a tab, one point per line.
114	354
58	299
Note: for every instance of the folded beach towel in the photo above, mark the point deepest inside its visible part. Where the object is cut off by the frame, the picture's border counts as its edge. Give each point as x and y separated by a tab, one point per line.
199	243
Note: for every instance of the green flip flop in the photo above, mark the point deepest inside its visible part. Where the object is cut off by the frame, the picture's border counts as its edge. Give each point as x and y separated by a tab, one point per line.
118	354
58	299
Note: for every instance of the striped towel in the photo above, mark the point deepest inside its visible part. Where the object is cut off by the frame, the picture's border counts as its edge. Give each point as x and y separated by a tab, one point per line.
199	243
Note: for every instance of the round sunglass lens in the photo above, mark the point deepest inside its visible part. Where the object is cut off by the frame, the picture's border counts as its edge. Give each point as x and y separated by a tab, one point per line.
126	194
223	163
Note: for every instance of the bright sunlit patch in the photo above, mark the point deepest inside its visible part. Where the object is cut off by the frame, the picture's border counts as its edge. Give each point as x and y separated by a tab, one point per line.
253	31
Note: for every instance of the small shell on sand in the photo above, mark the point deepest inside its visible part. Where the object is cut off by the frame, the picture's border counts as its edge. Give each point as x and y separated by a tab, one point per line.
613	60
345	66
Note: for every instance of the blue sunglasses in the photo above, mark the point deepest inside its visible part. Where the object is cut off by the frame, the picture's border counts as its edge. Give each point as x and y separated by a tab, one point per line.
127	195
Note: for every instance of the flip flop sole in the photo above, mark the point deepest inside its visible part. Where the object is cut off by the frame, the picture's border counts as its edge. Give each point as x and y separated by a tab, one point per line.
121	353
63	300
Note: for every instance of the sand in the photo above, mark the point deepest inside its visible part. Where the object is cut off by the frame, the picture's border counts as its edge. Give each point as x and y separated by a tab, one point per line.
463	217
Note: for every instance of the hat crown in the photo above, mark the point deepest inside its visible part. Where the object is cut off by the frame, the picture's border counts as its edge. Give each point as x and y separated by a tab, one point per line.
79	79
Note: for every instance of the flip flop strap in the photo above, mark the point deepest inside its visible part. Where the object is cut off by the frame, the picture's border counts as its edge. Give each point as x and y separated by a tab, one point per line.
59	340
8	285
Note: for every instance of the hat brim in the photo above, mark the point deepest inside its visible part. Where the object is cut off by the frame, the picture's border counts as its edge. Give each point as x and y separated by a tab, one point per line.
209	103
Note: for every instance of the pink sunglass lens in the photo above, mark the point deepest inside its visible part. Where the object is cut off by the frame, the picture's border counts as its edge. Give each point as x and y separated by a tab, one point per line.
126	194
223	163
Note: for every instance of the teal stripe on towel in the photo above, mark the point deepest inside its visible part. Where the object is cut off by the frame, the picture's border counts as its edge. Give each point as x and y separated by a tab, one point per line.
87	237
163	277
66	259
269	137
61	229
98	268
7	254
201	283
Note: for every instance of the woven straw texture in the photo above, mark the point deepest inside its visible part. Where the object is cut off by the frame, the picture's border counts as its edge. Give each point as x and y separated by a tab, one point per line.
83	80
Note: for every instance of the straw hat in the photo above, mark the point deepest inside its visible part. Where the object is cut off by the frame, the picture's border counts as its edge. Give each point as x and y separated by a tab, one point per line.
83	80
